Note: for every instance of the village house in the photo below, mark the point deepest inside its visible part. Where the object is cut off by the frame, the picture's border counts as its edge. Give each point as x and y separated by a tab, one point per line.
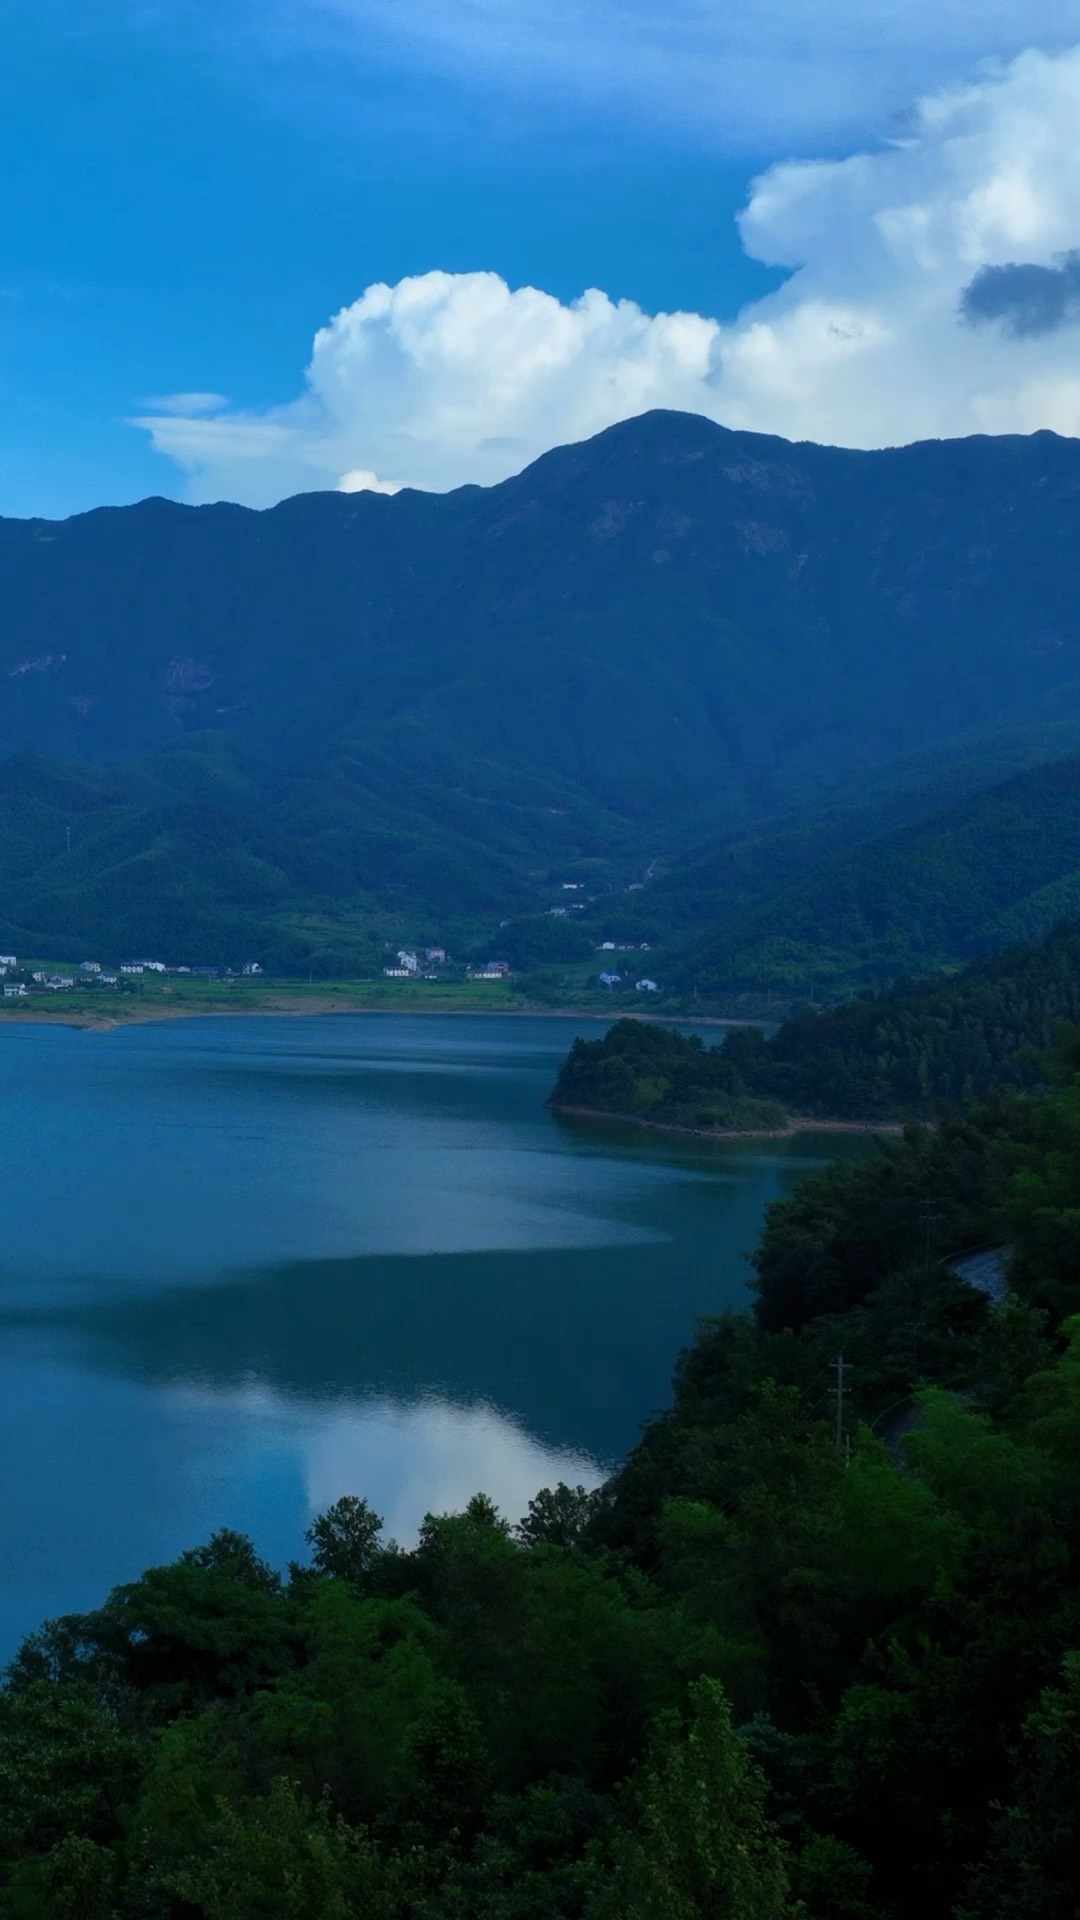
610	979
15	992
90	966
436	955
251	967
646	986
109	980
398	973
58	980
133	966
558	913
408	961
8	960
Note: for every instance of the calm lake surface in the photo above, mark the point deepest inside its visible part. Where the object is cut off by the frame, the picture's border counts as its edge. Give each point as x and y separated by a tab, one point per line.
248	1265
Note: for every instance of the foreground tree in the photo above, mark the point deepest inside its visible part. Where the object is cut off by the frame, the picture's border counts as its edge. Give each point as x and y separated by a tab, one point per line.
344	1540
697	1844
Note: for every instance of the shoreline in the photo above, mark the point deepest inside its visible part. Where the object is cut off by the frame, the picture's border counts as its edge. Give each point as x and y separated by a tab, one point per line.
796	1123
87	1021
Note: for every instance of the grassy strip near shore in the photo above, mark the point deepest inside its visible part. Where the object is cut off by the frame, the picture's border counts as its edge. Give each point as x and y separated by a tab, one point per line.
156	999
152	998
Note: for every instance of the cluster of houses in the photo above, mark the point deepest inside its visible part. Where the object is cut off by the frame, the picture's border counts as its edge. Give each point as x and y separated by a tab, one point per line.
644	985
129	967
414	966
425	966
571	906
91	973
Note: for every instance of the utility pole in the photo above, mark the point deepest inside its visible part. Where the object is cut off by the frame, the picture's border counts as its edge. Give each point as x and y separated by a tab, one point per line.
841	1368
928	1219
69	839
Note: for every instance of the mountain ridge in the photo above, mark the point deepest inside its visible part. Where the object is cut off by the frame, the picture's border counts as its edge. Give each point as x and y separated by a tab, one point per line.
658	637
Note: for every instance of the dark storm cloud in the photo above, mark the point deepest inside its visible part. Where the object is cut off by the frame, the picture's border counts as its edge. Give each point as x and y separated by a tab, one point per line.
1025	298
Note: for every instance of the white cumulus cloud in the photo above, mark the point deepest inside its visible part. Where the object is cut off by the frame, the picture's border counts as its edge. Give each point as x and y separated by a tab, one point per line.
872	340
362	480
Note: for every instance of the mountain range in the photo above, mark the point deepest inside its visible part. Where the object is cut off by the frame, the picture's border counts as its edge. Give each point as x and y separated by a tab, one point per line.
697	661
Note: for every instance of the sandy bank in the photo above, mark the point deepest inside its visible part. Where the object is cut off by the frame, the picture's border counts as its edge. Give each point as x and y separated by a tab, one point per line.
796	1123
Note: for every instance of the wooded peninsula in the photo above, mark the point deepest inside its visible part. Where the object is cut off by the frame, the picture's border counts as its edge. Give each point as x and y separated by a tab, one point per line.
898	1055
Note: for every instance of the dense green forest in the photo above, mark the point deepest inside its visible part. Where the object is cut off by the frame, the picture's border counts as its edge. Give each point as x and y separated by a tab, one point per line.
923	1044
1000	866
900	1054
190	852
723	875
646	1072
807	1656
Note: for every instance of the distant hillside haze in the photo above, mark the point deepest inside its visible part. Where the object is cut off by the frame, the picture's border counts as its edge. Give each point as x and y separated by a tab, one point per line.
642	646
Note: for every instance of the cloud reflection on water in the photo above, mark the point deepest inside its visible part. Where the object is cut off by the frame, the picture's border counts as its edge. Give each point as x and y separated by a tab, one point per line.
408	1457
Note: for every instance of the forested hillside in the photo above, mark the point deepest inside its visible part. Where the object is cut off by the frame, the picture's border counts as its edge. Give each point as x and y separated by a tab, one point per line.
724	876
646	1072
188	855
1001	866
430	706
904	1053
924	1044
809	1655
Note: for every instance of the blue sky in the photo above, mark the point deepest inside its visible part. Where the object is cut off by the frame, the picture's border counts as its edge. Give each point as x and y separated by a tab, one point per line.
192	191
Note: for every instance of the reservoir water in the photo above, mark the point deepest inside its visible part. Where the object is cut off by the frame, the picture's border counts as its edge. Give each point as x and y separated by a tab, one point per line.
248	1265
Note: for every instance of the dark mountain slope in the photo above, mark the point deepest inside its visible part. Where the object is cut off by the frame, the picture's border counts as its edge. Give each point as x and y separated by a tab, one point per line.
661	638
738	614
